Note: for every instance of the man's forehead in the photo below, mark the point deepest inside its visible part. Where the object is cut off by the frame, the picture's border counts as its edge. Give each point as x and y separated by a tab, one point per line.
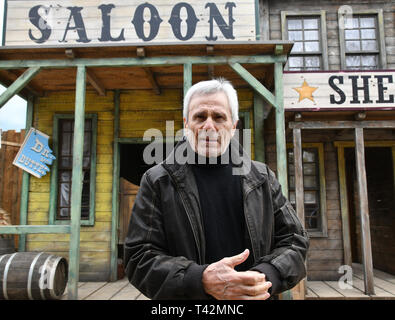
217	100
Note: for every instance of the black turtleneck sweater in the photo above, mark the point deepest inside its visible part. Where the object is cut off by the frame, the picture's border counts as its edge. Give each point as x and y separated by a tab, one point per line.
221	201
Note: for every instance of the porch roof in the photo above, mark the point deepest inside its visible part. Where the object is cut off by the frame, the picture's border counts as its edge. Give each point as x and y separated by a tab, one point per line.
158	76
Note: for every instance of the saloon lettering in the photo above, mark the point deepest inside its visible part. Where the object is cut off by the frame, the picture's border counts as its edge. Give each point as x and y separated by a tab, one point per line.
38	16
340	97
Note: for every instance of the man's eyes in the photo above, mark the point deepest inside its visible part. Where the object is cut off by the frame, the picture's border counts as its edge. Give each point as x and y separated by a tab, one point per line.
216	117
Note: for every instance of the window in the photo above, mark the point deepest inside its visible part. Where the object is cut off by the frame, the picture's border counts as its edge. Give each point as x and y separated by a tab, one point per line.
360	35
62	171
314	187
308	31
361	42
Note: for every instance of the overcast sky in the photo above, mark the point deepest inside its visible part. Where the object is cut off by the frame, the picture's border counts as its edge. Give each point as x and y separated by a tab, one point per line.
13	113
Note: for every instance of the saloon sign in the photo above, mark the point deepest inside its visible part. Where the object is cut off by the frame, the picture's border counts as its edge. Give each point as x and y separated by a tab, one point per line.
88	22
339	90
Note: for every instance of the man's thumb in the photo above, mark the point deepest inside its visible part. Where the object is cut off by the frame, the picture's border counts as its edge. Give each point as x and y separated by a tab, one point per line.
238	259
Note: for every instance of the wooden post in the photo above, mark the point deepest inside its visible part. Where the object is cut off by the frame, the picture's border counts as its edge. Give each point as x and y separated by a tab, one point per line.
18	85
299	192
187	82
281	148
76	186
280	129
25	180
187	77
364	212
115	191
344	206
259	128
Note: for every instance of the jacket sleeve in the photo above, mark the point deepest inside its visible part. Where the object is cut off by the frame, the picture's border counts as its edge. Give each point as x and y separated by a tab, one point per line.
148	265
285	265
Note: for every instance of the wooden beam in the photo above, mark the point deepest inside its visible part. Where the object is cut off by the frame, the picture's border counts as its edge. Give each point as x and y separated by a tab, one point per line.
254	83
341	165
95	82
25	179
299	192
187	77
343	124
281	150
29	89
259	128
24	229
115	191
298	164
151	78
18	85
148	72
280	129
364	212
187	83
76	184
138	62
91	78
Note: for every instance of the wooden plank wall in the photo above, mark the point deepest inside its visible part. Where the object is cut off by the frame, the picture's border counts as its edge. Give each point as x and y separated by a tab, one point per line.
331	8
10	175
95	241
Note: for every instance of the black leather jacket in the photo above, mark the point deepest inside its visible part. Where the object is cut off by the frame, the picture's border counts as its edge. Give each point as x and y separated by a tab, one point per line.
165	246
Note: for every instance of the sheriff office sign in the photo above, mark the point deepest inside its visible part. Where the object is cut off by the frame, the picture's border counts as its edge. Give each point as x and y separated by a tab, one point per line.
362	90
89	22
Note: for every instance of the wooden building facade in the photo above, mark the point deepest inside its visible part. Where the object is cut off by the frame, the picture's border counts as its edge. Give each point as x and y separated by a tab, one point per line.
95	99
349	209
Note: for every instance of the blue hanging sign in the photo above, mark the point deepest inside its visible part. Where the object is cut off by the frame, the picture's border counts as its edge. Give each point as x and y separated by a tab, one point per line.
34	154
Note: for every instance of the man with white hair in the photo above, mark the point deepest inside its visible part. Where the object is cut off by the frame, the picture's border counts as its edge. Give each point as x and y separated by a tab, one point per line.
201	228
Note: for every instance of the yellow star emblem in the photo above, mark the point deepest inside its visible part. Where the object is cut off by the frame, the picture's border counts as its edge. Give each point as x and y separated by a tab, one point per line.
305	91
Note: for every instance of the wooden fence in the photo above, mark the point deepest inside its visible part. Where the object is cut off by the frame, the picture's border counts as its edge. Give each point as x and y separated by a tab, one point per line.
10	175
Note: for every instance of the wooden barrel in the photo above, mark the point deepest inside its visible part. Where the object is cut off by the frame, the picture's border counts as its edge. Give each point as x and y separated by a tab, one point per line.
32	275
7	245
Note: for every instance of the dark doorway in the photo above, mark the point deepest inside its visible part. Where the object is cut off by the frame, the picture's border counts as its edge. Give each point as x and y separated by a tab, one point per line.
381	195
132	169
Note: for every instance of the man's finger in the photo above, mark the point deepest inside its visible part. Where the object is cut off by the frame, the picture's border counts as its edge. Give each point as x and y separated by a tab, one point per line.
262	296
256	290
250	278
237	259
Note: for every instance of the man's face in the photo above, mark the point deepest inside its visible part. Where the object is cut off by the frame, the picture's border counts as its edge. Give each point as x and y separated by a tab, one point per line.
210	124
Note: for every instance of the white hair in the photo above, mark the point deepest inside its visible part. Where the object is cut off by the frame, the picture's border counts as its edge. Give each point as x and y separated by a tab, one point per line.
210	87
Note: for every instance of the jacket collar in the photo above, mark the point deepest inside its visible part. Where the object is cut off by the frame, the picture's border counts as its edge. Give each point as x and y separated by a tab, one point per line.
247	169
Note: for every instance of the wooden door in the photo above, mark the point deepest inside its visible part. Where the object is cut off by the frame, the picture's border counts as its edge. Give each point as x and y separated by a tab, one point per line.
128	192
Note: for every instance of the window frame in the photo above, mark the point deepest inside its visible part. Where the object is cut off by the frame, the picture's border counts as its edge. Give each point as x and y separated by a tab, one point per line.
382	58
323	34
53	220
319	146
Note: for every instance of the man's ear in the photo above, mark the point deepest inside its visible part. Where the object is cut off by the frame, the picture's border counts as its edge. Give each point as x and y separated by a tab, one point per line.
185	122
235	124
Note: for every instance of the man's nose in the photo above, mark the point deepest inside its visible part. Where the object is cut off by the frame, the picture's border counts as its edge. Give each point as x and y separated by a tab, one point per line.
209	124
